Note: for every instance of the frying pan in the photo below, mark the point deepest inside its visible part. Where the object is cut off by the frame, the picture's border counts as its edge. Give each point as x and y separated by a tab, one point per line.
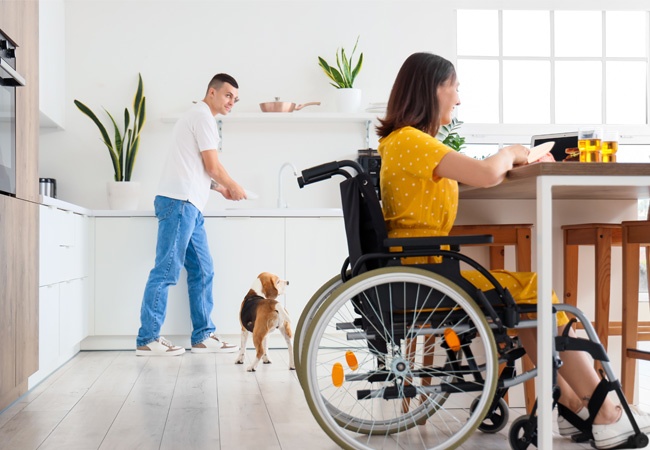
278	106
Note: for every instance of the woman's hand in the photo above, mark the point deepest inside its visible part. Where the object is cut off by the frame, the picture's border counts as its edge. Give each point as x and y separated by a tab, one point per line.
519	154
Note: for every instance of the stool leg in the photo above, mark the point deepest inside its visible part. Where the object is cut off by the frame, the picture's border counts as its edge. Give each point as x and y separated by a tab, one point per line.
603	260
497	257
523	250
630	315
570	272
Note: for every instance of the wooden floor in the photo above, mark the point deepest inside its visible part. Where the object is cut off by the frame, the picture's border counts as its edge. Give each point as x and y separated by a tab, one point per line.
115	400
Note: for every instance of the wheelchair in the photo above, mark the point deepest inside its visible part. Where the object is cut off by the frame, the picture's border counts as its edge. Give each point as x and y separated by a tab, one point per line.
402	356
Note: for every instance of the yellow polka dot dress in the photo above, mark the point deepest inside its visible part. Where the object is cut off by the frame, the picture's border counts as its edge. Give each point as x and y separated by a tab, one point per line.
417	204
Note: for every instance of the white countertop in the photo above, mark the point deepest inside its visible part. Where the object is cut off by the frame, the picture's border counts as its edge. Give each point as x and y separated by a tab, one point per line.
229	212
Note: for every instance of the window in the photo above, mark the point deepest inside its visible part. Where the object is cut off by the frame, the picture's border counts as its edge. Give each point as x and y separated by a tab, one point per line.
538	67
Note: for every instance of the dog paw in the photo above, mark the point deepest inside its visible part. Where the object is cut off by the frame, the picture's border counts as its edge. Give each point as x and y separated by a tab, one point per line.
292	368
250	369
239	361
268	361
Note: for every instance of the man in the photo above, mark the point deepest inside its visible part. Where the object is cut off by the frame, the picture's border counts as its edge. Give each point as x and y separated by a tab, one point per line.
192	169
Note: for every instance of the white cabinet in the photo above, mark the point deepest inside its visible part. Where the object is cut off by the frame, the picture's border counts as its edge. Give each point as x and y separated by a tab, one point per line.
65	240
48	328
315	251
242	248
73	312
65	279
306	251
51	82
125	250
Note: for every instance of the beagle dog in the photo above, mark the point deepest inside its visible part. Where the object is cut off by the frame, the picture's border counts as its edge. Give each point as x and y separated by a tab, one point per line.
260	314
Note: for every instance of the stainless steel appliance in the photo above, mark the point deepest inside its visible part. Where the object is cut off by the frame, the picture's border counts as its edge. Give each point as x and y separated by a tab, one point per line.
370	161
47	187
9	80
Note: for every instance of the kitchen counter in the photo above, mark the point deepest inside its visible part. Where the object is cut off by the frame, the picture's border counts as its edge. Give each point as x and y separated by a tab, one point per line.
228	212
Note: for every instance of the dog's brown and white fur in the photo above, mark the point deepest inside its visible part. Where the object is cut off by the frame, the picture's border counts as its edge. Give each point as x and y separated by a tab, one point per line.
260	314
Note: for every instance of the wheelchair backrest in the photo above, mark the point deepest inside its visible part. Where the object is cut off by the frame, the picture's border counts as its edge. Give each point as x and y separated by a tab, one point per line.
364	221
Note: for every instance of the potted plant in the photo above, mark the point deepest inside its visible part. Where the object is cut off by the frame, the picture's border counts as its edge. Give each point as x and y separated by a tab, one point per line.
122	149
342	77
448	135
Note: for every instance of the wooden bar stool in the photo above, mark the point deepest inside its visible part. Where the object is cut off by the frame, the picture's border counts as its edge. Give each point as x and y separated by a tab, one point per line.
519	236
635	234
601	236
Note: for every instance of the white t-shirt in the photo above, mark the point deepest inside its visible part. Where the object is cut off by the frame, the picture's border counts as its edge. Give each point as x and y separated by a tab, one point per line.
184	176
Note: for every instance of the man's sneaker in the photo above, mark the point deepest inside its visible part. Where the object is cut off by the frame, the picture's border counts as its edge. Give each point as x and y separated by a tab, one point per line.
159	347
213	345
566	428
615	434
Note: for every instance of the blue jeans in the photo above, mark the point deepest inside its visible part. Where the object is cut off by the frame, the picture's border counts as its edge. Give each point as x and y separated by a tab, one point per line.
182	242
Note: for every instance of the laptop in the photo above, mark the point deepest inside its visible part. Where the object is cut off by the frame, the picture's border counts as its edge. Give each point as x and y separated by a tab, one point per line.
562	142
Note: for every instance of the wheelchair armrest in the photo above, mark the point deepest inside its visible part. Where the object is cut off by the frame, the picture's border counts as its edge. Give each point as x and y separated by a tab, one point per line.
428	242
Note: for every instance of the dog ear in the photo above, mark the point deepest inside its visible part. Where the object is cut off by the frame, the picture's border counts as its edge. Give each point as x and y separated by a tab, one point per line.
270	290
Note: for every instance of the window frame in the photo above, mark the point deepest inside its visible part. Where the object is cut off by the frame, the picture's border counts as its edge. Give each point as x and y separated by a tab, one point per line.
504	134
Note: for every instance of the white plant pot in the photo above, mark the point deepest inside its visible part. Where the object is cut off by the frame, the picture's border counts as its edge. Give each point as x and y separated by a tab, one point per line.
348	100
123	195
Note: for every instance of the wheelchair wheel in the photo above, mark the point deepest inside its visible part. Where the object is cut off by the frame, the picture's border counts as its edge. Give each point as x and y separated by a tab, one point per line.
308	313
523	433
495	422
395	358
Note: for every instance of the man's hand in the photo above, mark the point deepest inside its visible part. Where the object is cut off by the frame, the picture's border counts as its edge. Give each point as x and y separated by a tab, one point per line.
237	193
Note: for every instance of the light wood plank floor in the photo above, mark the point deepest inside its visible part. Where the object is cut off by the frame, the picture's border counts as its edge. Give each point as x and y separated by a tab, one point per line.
115	400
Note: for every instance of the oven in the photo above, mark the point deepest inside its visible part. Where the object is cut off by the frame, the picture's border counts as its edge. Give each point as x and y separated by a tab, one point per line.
10	79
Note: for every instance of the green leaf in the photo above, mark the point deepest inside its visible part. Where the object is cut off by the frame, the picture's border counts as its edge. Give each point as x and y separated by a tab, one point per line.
84	109
345	75
137	100
119	144
102	130
123	153
356	70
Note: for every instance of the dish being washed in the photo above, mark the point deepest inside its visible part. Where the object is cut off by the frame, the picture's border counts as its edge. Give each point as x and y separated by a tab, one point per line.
539	151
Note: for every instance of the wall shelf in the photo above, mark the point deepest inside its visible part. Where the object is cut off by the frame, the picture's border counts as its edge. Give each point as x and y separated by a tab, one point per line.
293	117
288	117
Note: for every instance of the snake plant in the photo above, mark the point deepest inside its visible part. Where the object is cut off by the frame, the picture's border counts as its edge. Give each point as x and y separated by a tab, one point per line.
124	148
345	75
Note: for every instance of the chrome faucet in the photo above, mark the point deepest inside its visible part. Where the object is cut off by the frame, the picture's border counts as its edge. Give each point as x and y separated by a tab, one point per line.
281	202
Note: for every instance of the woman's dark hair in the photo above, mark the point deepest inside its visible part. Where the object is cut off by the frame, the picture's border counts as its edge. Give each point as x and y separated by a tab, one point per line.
413	100
219	79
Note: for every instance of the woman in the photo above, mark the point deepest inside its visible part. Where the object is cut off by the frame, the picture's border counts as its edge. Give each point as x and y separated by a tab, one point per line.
419	190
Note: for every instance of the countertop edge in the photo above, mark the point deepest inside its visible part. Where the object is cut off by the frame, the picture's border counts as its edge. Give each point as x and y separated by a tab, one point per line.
253	212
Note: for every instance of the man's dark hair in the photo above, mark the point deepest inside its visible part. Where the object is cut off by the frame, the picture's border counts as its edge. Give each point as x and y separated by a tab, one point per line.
219	79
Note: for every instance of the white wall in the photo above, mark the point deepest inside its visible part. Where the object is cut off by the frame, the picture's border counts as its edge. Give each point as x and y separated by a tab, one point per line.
270	47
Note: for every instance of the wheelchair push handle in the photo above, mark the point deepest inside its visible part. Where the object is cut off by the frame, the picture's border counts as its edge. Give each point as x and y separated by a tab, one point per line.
326	171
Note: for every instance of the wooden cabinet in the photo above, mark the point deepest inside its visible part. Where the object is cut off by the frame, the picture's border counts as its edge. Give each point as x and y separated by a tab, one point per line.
18	297
19	217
